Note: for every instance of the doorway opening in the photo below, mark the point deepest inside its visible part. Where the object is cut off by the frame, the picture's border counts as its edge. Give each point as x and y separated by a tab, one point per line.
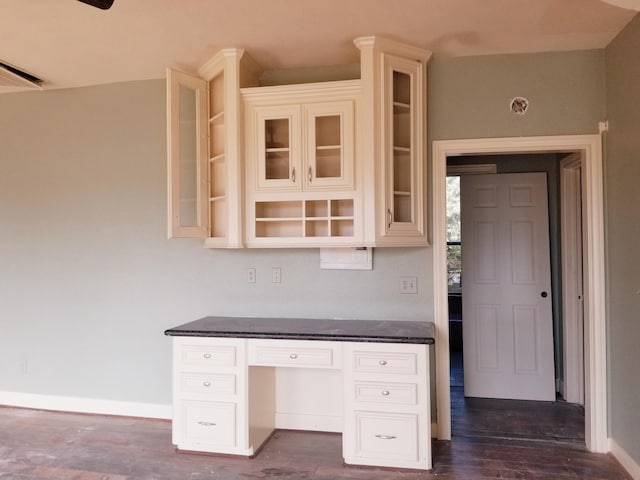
523	358
589	148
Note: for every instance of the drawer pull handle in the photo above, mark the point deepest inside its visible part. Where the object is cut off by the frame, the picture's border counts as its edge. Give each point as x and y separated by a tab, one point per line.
382	362
293	356
386	437
385	392
207	355
206	384
206	424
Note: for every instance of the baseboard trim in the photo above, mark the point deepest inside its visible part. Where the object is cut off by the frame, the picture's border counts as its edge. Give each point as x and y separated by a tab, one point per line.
85	405
628	463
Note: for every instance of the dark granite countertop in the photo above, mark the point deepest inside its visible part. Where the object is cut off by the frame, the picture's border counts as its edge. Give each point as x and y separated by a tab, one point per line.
379	331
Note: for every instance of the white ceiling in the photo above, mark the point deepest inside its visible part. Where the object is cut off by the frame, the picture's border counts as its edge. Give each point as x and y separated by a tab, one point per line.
70	44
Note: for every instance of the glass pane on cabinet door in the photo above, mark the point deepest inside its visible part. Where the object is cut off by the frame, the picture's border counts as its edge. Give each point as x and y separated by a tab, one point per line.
402	154
188	157
328	147
277	149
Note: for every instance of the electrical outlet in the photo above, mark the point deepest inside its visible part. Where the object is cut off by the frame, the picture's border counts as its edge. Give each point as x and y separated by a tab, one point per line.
275	275
251	275
408	285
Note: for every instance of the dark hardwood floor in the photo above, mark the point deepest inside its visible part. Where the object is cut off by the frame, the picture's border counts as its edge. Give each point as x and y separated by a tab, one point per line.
491	439
36	445
558	422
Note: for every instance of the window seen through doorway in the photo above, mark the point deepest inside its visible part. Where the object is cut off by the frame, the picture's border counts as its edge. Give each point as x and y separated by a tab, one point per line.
454	247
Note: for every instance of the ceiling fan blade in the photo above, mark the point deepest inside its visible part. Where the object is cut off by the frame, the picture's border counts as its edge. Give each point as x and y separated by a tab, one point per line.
103	4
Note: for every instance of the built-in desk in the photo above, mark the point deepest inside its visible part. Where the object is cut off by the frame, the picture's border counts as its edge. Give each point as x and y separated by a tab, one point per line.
224	375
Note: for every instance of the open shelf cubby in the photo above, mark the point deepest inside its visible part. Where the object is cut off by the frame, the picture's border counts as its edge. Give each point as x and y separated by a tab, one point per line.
304	218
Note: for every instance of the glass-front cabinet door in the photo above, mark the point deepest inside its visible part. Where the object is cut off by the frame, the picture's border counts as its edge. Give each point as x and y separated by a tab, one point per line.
187	152
404	149
330	152
278	148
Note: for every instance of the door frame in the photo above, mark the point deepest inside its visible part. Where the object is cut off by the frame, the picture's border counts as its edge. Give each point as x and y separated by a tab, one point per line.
571	261
595	333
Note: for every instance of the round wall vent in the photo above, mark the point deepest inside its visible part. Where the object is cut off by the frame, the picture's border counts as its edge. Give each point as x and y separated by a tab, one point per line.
519	106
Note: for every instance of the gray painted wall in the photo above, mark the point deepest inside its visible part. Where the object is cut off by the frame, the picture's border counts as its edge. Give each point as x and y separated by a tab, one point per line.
622	178
469	96
88	280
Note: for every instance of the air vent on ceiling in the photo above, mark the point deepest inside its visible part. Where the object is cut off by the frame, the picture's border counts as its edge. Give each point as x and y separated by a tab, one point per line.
11	76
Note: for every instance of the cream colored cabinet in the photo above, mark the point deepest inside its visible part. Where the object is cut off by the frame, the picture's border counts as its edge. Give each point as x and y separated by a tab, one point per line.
387	405
394	94
336	163
225	401
210	395
301	163
303	147
204	149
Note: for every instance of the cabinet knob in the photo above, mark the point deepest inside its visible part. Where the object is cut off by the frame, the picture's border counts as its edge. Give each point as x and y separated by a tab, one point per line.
293	356
293	174
386	437
207	355
310	174
382	362
206	424
390	218
385	393
206	384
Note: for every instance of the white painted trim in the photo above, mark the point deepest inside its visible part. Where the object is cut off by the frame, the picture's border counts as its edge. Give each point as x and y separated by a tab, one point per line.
85	405
628	463
594	269
440	290
572	283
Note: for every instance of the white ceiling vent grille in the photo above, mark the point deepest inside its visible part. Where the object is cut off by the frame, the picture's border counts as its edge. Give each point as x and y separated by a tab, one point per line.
10	76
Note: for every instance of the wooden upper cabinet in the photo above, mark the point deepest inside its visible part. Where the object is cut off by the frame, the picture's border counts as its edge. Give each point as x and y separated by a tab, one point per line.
204	149
333	163
301	162
394	134
301	137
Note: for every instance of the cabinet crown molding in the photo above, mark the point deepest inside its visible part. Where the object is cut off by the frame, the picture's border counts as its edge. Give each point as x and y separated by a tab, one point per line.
392	47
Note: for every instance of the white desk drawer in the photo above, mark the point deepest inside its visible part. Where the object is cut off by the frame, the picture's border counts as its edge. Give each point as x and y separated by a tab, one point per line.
294	353
386	435
207	355
386	393
385	362
209	423
204	383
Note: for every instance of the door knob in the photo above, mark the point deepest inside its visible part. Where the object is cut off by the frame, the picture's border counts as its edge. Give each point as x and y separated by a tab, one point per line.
544	294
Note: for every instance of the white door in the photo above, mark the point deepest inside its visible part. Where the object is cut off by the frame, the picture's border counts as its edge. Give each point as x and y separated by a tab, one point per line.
506	287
